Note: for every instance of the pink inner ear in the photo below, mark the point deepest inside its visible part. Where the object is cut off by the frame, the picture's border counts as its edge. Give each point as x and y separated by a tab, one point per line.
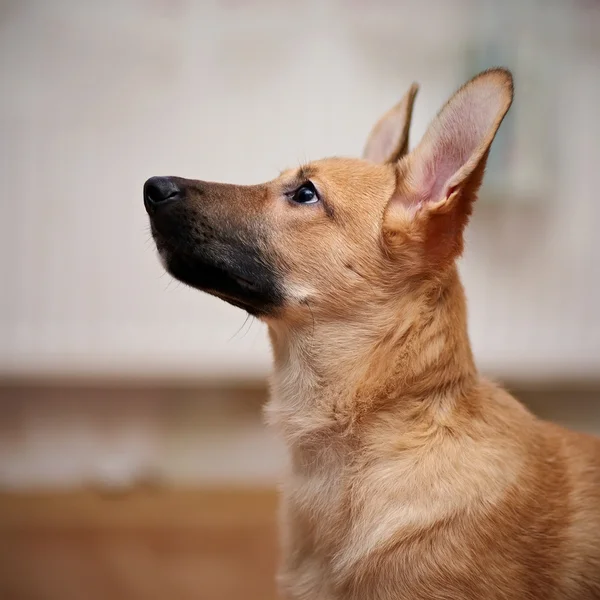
463	125
444	164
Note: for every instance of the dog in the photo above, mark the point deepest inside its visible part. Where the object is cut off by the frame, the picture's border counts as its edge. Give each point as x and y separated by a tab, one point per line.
410	475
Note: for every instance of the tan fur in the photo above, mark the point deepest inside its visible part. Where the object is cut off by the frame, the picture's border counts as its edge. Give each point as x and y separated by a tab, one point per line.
410	475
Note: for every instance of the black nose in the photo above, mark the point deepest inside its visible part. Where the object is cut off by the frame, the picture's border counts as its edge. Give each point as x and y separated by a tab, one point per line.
160	191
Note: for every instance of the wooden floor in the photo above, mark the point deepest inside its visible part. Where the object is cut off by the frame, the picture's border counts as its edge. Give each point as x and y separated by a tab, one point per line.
152	544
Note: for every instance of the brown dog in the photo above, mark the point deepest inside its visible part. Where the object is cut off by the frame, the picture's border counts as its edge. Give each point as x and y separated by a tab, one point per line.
411	476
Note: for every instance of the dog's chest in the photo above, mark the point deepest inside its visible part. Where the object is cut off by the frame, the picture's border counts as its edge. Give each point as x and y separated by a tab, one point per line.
317	490
315	521
318	456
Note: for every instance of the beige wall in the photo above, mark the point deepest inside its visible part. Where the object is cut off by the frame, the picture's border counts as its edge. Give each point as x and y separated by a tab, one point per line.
98	96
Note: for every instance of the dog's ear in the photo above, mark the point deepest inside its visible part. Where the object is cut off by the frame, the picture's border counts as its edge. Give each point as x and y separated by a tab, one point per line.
441	176
388	140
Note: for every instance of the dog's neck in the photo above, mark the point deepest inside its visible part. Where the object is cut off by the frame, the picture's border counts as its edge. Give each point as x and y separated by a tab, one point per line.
330	376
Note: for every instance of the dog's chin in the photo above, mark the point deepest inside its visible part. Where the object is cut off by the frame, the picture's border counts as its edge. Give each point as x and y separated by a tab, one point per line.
257	298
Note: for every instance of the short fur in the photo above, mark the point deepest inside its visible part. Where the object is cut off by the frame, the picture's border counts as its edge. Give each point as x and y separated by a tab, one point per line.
410	476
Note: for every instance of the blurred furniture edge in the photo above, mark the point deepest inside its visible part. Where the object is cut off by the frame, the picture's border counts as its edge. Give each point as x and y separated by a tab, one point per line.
246	393
562	400
114	435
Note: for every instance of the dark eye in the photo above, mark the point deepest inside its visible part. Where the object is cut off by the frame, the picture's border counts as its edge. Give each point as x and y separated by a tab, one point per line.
305	194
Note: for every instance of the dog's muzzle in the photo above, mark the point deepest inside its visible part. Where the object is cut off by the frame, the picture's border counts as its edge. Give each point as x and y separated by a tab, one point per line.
204	243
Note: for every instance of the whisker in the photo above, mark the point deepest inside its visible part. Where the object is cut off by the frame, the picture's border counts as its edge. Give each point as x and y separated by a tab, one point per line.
240	328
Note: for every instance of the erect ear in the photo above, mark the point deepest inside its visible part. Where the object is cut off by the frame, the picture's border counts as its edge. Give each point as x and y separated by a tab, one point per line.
388	140
449	162
442	175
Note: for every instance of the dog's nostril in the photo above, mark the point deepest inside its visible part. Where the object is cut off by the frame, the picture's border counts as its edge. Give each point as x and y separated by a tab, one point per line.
159	191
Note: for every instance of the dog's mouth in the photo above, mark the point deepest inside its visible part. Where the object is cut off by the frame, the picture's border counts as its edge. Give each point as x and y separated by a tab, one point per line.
202	275
232	277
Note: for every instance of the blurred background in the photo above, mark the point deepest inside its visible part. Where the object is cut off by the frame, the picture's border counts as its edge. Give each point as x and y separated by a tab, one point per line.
133	459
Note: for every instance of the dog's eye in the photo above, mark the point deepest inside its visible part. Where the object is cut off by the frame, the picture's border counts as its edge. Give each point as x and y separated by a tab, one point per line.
305	194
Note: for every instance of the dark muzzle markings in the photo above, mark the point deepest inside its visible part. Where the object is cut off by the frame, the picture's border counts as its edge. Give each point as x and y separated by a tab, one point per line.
208	240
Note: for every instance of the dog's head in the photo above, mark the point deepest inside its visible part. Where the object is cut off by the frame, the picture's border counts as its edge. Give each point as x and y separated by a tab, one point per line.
337	233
